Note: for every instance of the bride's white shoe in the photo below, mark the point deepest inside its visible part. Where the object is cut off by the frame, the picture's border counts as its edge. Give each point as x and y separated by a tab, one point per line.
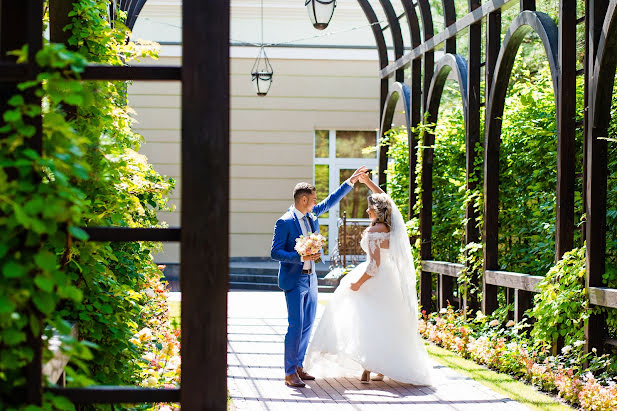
366	377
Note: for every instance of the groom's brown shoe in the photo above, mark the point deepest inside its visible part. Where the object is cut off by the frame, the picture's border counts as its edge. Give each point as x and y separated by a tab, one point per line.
293	380
304	376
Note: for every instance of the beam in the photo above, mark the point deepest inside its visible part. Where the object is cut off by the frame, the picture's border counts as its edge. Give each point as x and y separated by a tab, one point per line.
473	17
508	279
602	296
132	234
117	394
442	267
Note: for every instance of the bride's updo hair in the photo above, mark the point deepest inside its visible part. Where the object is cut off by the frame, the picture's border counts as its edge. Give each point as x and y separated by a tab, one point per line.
380	203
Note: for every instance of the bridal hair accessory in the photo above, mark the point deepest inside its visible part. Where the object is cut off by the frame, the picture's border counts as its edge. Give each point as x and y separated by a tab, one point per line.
382	206
309	244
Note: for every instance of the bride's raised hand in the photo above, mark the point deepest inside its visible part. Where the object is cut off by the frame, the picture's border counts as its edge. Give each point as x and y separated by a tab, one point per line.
365	177
355	286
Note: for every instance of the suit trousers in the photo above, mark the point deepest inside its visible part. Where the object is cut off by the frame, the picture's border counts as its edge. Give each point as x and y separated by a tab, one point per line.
301	309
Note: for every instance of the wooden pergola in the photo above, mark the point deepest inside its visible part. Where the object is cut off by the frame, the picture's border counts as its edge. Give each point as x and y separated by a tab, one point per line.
421	96
205	154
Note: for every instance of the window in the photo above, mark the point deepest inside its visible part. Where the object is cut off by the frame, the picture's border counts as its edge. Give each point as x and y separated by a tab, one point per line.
337	154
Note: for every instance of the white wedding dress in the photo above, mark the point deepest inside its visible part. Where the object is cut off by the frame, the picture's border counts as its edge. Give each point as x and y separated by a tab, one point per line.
374	328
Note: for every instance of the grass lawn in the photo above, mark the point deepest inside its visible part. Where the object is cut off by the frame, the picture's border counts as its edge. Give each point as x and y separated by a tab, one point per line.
174	310
501	383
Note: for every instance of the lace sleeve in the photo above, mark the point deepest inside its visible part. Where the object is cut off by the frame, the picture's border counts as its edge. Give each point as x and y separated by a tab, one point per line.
375	242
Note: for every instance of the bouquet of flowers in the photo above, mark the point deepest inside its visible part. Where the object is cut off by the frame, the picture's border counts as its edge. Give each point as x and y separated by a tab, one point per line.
309	244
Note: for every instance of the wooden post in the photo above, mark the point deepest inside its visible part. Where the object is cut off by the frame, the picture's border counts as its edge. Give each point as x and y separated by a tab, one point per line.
446	287
472	138
531	5
489	292
428	61
596	166
566	129
523	301
205	212
416	119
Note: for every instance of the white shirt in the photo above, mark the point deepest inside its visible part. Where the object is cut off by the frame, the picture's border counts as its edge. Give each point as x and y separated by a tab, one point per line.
307	264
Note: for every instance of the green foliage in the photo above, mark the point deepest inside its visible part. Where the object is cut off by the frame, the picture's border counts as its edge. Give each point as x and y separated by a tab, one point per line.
88	174
561	308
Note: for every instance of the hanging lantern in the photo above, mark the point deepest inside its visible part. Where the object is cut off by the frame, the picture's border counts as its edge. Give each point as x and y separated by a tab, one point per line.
320	12
262	73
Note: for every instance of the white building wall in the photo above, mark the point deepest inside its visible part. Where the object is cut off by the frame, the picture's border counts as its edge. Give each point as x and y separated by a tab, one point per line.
271	137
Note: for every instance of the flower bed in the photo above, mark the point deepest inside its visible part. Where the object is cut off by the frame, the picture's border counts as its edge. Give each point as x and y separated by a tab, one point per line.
506	348
158	341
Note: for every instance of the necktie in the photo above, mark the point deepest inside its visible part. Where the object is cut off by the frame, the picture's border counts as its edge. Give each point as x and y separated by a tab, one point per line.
308	227
308	232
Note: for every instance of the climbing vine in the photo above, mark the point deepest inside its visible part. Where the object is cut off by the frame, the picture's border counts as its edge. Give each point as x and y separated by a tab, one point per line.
88	173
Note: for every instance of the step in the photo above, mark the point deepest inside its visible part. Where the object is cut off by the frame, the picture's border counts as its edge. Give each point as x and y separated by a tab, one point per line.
235	285
269	279
253	278
268	267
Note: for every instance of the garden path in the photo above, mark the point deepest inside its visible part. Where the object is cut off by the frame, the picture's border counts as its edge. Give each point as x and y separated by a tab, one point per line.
256	326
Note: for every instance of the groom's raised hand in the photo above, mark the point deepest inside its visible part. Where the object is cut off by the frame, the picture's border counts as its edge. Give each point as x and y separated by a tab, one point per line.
356	175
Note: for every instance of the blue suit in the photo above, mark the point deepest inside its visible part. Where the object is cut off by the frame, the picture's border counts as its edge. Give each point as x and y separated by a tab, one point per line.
300	289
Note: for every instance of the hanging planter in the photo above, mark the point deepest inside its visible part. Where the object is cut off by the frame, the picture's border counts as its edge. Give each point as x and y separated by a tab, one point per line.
262	73
320	12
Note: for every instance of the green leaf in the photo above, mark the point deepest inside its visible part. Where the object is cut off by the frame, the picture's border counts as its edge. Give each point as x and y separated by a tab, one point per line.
78	233
16	100
13	270
62	403
35	325
46	260
12	116
74	99
44	302
44	283
6	305
12	337
70	292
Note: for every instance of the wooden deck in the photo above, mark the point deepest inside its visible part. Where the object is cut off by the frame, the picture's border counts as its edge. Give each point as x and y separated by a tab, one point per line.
257	325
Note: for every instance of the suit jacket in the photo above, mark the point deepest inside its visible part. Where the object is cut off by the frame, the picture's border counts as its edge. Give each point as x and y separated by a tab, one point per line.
287	229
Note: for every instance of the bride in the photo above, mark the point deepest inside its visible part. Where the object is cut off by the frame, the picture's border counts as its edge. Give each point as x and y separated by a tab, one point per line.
370	323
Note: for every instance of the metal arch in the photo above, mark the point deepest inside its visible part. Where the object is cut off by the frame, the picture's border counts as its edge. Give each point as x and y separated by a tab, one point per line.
605	66
429	57
449	18
383	84
412	22
397	36
526	22
397	90
427	19
445	65
131	7
449	12
523	24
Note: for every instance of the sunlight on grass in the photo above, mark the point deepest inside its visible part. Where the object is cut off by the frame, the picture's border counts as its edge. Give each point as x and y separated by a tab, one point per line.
501	383
174	313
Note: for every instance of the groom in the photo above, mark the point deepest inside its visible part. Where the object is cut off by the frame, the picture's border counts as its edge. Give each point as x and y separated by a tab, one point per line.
297	275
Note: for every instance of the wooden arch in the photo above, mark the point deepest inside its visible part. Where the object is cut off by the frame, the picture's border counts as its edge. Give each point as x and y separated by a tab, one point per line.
526	22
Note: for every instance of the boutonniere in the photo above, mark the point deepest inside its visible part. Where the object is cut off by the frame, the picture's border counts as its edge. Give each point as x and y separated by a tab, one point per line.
313	216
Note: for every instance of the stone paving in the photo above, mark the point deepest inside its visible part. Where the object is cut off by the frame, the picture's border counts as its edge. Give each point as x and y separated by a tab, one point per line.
257	324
